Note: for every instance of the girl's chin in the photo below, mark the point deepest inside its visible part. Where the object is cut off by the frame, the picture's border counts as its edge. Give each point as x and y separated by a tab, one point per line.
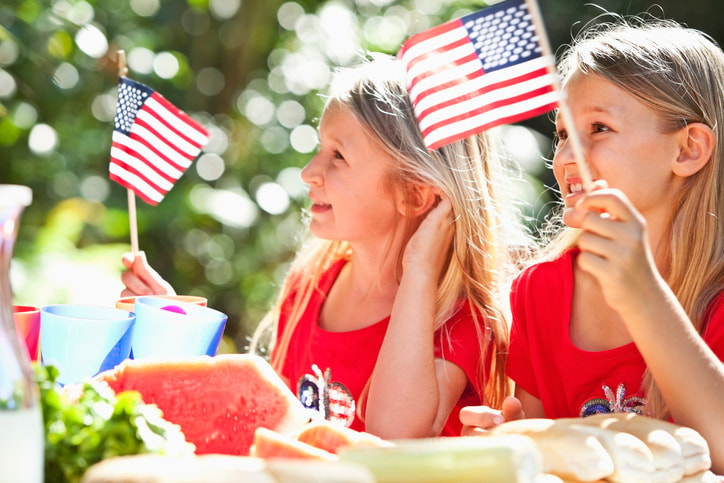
571	199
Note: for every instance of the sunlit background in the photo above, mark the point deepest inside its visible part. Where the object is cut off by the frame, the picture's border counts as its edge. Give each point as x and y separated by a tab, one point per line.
251	72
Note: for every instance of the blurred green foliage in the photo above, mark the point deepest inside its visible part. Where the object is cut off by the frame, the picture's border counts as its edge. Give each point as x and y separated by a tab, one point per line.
252	72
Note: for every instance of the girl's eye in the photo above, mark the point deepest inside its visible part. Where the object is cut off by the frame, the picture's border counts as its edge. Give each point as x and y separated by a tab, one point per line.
598	127
559	138
337	155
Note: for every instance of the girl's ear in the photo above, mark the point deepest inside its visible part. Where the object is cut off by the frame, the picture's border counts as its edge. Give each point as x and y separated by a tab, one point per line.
696	149
421	199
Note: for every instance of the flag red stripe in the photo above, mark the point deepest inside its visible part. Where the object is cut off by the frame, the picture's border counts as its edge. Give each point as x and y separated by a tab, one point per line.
429	34
194	128
135	154
483	90
135	186
446	85
441	50
497	122
457	62
179	117
489	107
151	144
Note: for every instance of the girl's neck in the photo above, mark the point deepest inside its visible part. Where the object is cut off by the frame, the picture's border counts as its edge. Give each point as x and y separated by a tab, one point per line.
362	294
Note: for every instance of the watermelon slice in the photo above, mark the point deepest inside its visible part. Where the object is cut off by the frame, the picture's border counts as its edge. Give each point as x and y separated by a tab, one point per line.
217	401
332	437
271	444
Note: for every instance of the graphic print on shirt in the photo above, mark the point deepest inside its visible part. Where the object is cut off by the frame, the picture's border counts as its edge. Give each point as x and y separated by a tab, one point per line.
613	404
332	400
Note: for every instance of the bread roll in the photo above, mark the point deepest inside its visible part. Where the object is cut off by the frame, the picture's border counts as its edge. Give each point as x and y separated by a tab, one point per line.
632	459
668	459
702	477
567	453
694	448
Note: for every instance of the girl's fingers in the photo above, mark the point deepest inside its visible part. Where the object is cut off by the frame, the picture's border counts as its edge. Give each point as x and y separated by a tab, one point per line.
605	204
512	409
141	278
482	417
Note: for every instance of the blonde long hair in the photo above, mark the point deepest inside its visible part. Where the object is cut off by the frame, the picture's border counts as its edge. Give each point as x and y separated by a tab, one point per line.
679	73
466	172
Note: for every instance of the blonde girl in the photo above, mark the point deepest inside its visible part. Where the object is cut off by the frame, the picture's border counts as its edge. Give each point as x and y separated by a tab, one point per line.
626	312
392	310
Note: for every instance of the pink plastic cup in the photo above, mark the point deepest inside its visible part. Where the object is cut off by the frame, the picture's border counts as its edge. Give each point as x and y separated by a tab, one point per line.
129	303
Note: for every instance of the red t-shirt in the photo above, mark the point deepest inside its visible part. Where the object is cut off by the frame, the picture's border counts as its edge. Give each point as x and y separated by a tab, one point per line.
569	381
328	370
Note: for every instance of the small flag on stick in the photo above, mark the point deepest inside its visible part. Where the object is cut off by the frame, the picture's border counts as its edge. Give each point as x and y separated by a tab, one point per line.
479	71
153	141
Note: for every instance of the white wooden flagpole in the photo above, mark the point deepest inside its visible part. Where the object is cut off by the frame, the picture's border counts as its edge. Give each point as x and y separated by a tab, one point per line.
563	108
133	223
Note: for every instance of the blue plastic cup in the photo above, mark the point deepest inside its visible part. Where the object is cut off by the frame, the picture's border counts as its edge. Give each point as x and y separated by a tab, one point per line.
83	340
169	328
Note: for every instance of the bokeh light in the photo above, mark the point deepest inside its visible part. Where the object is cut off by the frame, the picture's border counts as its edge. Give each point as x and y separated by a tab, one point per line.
165	65
66	76
78	12
95	188
304	138
210	166
8	52
24	115
231	207
103	107
288	14
210	81
291	180
140	60
224	9
42	139
272	198
258	109
7	84
91	41
145	8
290	114
275	139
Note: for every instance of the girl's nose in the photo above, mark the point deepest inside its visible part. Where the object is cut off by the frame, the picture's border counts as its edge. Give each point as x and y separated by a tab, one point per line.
312	172
564	153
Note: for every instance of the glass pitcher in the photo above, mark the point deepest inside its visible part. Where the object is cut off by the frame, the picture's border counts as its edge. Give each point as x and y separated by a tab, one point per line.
21	419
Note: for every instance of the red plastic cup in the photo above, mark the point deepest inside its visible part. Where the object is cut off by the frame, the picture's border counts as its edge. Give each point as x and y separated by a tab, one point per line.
27	323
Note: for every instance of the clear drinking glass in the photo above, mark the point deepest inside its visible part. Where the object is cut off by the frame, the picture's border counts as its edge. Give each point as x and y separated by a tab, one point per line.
21	419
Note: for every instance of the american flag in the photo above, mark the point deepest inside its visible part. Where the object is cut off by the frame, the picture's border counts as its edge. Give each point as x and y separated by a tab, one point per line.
479	71
153	141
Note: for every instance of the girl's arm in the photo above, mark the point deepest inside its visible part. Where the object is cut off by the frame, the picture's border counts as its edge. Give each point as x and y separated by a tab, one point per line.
614	249
411	393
